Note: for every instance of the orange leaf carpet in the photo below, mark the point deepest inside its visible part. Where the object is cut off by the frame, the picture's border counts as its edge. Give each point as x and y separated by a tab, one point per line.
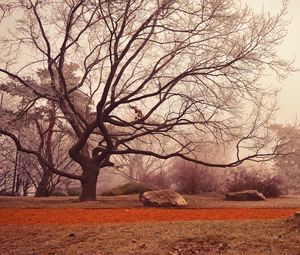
79	216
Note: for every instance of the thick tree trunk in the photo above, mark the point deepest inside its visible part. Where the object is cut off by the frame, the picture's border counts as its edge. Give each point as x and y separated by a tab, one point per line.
89	185
42	189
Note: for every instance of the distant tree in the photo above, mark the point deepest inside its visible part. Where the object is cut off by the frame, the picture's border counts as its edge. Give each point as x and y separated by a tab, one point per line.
24	169
143	168
52	141
184	67
15	168
289	164
51	137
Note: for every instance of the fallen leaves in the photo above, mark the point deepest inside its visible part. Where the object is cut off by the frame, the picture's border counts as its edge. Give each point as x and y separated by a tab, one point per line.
76	216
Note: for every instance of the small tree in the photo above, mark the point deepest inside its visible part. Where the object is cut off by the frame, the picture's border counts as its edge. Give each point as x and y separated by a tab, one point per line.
184	67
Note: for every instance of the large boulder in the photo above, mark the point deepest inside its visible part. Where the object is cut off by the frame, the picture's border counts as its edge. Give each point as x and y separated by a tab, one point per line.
245	195
163	198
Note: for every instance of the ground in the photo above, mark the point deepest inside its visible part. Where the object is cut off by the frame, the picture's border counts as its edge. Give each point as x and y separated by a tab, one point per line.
120	225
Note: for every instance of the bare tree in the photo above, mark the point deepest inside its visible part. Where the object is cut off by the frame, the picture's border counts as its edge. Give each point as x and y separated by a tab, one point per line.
51	139
289	165
183	67
140	167
5	9
52	142
48	140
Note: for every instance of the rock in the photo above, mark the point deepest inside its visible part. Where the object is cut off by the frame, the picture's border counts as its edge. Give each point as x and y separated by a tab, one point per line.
296	217
246	195
163	198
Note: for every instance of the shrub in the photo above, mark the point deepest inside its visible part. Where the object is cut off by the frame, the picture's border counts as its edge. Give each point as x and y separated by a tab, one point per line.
5	193
59	193
275	186
128	188
159	180
269	184
75	191
190	178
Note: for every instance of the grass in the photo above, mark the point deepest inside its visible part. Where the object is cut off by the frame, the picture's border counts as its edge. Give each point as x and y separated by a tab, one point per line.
261	237
180	238
209	200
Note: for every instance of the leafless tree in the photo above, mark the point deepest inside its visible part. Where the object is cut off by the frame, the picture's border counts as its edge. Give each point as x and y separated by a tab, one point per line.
5	9
139	167
182	67
49	139
289	165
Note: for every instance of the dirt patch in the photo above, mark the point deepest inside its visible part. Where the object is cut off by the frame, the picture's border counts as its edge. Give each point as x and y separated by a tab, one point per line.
78	216
212	245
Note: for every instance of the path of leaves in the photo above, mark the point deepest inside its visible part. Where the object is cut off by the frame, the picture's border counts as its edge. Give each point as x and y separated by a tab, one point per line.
75	216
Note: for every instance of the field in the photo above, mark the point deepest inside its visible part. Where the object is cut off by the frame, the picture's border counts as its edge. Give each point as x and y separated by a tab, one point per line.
120	225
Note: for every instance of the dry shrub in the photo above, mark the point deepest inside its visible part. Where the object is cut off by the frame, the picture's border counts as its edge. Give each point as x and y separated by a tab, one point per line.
59	193
159	180
128	188
268	183
74	191
190	178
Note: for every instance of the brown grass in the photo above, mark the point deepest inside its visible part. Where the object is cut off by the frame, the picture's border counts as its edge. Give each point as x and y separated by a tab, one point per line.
208	200
197	237
260	237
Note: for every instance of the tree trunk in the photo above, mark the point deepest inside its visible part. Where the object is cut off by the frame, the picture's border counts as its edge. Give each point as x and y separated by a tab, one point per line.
89	184
42	189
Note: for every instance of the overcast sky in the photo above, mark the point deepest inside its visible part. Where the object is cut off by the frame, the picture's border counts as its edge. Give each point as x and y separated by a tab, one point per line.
289	97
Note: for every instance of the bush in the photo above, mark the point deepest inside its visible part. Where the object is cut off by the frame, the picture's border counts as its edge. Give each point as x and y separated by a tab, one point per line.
59	193
159	180
128	188
5	193
75	191
269	184
190	178
275	186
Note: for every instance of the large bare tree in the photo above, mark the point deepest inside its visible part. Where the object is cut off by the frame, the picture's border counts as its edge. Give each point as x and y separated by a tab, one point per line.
180	67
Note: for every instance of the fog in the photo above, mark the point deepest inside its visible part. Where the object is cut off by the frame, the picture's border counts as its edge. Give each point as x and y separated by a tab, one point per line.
289	103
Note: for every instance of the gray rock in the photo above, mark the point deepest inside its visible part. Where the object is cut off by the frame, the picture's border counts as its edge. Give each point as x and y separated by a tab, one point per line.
163	198
245	195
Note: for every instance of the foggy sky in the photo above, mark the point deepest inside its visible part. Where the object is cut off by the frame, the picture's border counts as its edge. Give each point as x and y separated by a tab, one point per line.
289	97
